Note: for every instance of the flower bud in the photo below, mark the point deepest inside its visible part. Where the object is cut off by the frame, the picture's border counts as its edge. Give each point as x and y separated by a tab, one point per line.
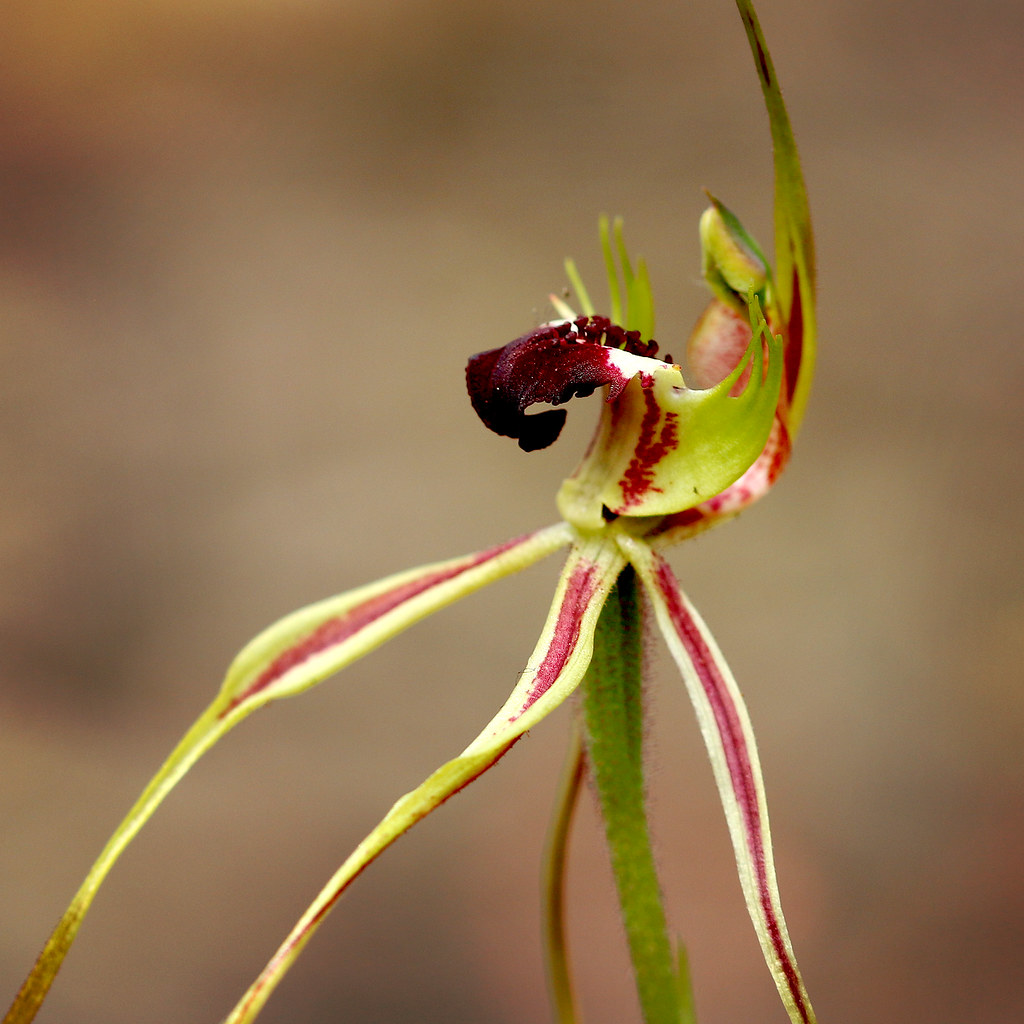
731	261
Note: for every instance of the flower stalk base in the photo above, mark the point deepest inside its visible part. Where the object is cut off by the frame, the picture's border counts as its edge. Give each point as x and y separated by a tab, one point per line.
613	712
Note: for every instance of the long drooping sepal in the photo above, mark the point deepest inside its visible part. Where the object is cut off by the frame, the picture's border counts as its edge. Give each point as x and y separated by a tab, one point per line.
553	672
313	643
794	239
289	657
725	726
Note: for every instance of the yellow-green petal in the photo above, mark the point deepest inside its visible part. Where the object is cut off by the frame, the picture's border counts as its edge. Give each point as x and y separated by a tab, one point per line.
552	673
794	281
662	448
729	737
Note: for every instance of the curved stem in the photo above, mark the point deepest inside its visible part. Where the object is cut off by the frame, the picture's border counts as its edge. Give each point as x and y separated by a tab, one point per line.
553	881
614	721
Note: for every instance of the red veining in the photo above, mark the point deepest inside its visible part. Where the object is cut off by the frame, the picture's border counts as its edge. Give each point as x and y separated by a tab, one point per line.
337	630
716	346
737	756
566	634
794	337
659	435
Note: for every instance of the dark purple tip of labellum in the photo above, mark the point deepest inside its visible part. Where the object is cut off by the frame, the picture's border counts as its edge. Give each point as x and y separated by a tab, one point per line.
551	364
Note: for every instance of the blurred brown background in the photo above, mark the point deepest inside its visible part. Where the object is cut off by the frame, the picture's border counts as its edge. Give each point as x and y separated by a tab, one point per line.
245	249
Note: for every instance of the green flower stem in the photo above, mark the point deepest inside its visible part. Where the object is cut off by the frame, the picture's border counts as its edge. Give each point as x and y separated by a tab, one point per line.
208	728
687	1011
614	721
553	881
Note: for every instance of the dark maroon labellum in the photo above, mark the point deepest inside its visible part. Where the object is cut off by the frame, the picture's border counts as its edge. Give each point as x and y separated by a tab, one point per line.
550	365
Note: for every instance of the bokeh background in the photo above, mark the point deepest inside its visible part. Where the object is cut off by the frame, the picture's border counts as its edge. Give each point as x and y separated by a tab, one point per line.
245	249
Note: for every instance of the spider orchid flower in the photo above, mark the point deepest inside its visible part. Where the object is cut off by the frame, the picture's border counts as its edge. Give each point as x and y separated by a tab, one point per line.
678	448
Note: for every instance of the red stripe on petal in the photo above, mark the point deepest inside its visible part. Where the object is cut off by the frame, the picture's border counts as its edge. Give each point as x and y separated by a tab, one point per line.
729	727
578	595
741	772
337	630
658	436
794	337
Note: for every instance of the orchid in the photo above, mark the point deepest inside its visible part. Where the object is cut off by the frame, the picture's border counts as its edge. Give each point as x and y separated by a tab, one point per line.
676	451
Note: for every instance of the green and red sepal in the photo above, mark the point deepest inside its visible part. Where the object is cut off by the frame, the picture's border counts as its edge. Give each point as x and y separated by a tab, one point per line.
729	737
313	643
555	669
661	447
290	656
